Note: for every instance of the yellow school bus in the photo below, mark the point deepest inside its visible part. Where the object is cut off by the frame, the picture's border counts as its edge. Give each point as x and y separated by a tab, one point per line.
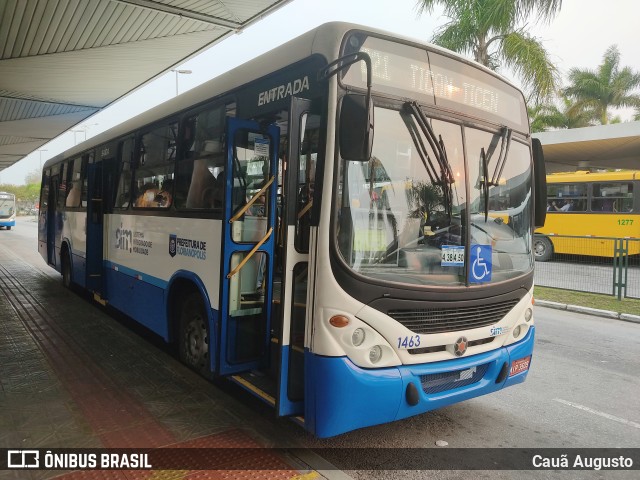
589	204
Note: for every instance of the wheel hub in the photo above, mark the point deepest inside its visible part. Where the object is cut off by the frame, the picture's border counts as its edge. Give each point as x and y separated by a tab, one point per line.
196	341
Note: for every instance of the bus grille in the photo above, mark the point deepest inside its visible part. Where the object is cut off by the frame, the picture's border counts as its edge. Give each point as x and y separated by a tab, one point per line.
441	382
440	320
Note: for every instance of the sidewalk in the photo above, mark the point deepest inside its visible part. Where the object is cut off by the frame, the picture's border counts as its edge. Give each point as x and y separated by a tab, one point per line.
73	377
589	311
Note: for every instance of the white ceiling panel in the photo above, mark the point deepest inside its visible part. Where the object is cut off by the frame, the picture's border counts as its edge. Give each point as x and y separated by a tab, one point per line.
63	60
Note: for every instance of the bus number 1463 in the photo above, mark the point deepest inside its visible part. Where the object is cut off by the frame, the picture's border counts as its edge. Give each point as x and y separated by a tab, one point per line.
409	341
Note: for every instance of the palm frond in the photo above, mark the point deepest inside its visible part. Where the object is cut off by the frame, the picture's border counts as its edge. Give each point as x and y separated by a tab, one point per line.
529	60
457	36
608	86
548	116
545	10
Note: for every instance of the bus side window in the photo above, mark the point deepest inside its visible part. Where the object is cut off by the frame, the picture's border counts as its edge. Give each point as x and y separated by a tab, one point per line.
123	196
155	169
62	187
200	172
74	182
567	197
44	191
306	181
612	197
86	159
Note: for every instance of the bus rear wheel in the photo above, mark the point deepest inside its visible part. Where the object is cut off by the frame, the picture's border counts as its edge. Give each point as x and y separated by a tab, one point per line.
193	347
542	249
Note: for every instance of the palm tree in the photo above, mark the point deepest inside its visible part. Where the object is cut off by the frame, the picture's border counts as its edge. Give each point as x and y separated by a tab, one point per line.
494	32
546	116
607	87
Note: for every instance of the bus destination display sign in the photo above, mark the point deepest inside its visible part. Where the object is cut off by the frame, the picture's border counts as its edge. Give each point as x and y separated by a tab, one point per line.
436	79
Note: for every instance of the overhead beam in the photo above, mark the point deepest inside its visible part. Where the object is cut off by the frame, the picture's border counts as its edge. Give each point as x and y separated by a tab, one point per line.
181	12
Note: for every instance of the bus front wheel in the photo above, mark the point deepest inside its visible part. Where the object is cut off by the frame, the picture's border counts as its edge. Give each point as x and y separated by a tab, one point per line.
193	345
542	249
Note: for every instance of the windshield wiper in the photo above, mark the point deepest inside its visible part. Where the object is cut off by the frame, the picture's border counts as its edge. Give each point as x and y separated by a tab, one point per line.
445	178
485	182
502	157
485	158
422	150
437	144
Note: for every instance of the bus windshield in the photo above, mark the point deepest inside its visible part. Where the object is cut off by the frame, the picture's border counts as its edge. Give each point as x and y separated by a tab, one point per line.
403	216
7	205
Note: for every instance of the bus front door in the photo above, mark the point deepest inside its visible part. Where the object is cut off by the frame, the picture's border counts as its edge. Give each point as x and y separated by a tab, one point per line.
248	247
294	244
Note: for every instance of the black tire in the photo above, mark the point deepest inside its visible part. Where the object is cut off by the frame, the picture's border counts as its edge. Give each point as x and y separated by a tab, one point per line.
65	268
8	228
542	249
193	338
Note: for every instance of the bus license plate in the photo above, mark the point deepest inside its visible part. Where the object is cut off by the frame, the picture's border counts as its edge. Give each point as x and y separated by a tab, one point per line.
452	256
519	366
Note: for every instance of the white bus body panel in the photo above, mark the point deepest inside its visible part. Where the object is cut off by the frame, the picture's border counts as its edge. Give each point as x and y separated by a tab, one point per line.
140	244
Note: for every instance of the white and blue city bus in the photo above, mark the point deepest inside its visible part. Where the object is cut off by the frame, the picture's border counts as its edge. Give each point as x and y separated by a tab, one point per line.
342	226
7	210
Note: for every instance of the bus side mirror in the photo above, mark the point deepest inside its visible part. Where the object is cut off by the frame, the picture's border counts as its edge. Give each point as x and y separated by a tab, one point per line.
540	179
356	127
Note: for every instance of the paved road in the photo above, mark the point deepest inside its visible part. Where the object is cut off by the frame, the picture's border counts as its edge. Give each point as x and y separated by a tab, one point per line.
583	391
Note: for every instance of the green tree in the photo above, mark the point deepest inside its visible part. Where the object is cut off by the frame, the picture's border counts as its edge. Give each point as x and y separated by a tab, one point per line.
493	31
547	116
609	86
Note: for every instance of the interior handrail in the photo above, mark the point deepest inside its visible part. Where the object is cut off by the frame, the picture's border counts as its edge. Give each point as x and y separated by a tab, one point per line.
248	205
250	254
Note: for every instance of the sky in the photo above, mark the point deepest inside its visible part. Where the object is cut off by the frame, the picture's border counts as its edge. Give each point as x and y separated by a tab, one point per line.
577	37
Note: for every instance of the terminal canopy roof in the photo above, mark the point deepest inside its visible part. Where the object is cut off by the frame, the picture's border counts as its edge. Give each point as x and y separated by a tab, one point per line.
603	146
64	60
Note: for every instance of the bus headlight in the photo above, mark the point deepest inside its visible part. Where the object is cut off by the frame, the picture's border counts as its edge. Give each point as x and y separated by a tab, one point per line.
517	331
357	337
375	354
359	341
528	314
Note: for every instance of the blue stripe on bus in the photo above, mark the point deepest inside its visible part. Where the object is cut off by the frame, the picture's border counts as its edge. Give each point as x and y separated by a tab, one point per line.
337	389
140	299
79	269
144	298
145	277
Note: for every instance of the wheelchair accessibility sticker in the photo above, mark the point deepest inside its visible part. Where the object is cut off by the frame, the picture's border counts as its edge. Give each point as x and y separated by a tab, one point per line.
480	270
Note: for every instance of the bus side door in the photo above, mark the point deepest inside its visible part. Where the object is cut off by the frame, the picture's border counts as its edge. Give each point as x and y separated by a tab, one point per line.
54	215
248	246
46	224
94	228
101	184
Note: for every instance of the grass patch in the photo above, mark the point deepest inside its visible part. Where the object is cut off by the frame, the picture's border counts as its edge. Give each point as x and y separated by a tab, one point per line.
591	300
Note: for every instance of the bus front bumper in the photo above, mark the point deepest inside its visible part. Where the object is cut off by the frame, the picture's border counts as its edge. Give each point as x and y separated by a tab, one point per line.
342	396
